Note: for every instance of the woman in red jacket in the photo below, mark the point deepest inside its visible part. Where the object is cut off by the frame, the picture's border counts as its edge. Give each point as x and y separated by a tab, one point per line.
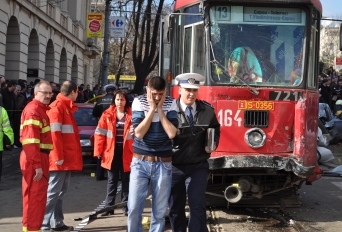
113	143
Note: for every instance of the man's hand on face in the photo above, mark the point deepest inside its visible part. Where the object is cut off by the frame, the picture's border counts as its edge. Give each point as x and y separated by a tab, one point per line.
150	99
161	102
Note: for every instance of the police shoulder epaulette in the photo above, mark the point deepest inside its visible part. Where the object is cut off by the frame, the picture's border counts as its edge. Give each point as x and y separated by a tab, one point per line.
207	103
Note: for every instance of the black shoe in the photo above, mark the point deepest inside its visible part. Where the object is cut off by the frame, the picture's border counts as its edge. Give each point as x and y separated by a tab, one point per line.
108	213
64	228
103	178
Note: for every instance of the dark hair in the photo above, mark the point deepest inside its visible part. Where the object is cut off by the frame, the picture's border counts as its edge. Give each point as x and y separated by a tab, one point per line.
124	94
68	87
36	81
157	83
11	83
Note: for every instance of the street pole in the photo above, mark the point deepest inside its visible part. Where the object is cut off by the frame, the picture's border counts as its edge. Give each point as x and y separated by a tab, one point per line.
105	54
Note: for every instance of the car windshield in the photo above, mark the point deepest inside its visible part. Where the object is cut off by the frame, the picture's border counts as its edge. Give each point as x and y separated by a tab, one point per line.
84	117
257	45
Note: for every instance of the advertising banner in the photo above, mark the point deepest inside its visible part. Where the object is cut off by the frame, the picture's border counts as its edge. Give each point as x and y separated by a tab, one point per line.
95	25
338	63
117	27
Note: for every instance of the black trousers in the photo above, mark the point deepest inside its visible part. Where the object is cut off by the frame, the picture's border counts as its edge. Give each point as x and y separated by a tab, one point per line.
198	173
113	177
99	170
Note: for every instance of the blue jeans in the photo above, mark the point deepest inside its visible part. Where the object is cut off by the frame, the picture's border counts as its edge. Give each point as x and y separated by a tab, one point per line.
159	174
58	186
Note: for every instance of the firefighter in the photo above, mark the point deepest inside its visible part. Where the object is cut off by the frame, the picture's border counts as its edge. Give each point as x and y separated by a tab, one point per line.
66	157
190	155
34	158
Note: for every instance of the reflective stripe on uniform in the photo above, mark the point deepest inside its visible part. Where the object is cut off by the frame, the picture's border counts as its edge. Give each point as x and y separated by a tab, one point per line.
5	121
64	128
104	132
30	141
8	125
46	146
45	129
67	129
31	122
56	126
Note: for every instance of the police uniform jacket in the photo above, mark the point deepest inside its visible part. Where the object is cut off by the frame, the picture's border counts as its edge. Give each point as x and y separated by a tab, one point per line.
5	128
102	105
189	145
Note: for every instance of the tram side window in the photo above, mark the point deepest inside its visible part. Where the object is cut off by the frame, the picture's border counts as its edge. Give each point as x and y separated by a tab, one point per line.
312	68
194	46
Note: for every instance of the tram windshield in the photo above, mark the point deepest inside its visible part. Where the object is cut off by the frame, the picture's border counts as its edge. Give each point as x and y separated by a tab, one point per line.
257	45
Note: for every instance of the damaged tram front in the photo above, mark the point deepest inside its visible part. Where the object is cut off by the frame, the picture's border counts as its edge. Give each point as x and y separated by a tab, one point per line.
260	62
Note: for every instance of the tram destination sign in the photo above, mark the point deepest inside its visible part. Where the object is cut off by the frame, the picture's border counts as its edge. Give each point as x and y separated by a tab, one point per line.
272	15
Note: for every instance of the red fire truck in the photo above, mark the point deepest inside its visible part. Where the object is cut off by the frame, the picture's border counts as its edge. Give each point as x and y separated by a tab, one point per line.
260	63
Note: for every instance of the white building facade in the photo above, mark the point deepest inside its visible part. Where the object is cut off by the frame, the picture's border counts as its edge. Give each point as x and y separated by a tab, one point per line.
47	40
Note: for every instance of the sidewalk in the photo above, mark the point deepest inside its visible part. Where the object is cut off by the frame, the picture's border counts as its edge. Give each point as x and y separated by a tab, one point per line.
10	160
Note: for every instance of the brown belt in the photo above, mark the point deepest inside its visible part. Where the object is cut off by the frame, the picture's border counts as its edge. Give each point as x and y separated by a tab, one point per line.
152	158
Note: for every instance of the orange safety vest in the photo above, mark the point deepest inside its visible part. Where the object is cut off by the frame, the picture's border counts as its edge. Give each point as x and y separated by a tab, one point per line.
104	139
35	133
65	135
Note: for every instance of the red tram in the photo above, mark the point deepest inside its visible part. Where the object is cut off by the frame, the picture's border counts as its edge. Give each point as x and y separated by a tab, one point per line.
260	63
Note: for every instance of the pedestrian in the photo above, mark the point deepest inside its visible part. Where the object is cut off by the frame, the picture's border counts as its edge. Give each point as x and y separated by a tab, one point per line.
2	80
80	95
190	156
66	157
6	130
19	105
8	99
101	105
34	158
88	94
155	123
113	142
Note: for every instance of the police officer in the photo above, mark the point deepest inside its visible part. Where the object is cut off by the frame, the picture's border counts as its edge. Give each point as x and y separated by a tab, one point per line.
190	155
104	103
101	105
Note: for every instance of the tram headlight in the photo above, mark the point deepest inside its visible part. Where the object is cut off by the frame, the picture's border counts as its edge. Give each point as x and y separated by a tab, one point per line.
255	138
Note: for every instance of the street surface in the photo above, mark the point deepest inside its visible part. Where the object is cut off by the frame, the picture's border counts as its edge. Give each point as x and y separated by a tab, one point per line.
321	209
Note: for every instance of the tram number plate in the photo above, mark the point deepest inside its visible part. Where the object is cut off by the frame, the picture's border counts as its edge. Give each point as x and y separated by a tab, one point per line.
256	105
285	96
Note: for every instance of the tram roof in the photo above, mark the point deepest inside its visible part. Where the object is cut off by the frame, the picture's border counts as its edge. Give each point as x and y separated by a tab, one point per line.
316	3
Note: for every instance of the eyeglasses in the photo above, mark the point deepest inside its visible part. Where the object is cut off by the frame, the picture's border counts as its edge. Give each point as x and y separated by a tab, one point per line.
46	93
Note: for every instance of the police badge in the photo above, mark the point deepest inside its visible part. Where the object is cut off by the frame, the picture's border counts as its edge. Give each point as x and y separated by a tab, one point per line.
191	80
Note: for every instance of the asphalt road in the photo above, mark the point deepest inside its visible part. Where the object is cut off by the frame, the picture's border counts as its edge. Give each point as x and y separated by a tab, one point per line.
321	208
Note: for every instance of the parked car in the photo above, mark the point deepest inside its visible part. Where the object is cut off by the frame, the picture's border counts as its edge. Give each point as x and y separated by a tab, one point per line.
86	123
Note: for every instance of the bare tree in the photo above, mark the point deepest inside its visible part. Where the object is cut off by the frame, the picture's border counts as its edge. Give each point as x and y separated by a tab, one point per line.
145	55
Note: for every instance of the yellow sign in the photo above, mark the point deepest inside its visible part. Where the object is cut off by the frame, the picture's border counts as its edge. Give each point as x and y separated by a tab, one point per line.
256	105
123	77
94	25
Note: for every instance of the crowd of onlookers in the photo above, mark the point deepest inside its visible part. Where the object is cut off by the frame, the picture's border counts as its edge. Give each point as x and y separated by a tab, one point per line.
330	88
15	94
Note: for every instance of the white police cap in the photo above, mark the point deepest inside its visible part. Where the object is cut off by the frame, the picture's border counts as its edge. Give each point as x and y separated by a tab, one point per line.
190	80
109	86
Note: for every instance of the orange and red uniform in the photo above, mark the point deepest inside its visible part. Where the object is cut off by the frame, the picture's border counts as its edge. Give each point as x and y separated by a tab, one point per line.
35	136
104	139
65	135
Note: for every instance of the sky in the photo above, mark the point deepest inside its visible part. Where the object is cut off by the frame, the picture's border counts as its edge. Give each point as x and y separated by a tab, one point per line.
332	8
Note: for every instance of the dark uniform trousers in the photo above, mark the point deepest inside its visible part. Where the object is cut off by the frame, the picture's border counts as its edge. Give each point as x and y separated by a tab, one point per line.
113	178
198	173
